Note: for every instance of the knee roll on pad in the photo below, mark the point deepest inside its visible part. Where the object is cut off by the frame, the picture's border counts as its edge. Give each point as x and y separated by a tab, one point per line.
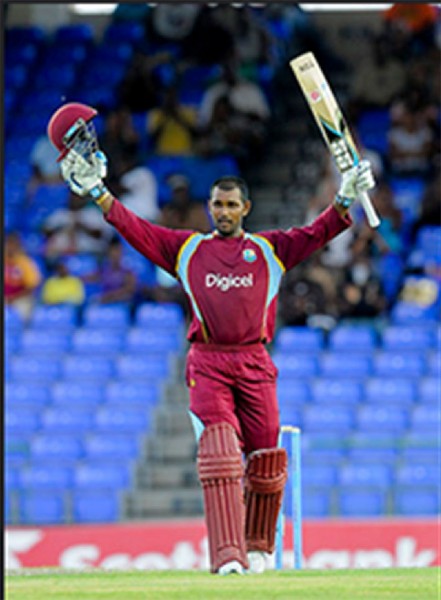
220	470
265	479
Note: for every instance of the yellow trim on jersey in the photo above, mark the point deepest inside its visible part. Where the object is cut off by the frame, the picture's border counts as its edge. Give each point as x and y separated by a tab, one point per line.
268	243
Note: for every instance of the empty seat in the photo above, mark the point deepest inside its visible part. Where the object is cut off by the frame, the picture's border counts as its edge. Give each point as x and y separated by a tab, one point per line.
390	390
422	439
319	475
77	394
353	365
55	317
66	420
429	389
104	446
357	502
42	507
17	393
420	455
53	446
291	414
82	368
163	316
21	421
140	339
299	339
417	502
348	338
342	391
96	506
293	391
382	418
433	363
333	418
49	476
12	319
366	474
108	316
103	474
426	417
127	392
401	338
117	419
316	502
133	366
46	342
100	341
399	364
296	365
35	369
418	474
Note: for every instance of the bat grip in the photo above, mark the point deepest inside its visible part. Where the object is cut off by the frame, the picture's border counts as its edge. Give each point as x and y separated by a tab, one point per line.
369	209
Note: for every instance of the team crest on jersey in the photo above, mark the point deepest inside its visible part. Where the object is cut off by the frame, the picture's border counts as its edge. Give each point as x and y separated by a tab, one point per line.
249	255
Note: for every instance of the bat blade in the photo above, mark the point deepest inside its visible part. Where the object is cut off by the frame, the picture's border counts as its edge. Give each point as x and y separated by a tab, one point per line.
330	120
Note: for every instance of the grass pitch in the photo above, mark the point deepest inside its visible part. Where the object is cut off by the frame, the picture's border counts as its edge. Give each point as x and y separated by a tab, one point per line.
366	584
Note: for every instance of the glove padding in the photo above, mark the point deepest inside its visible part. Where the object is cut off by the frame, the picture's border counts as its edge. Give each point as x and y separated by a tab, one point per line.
85	176
354	182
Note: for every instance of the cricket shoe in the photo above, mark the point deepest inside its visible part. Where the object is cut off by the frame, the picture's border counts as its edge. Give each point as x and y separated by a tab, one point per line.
257	562
231	567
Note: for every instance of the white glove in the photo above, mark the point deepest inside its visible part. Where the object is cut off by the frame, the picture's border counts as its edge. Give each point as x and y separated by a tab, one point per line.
354	182
85	176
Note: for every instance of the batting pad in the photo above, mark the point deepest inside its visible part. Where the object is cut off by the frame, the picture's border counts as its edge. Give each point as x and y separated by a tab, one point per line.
220	471
265	478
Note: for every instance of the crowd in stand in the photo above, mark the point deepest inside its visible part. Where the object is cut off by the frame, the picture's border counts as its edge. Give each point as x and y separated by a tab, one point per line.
361	274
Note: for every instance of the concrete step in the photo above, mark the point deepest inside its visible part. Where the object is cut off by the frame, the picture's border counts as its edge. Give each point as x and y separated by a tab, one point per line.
176	448
159	475
164	503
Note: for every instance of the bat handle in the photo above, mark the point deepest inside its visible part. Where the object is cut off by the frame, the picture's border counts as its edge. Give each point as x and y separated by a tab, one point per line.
369	209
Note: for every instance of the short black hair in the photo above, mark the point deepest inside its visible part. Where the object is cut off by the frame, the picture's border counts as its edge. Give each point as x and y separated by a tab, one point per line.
229	182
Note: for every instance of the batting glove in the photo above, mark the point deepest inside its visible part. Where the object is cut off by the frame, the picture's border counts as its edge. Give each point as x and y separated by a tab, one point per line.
354	182
85	177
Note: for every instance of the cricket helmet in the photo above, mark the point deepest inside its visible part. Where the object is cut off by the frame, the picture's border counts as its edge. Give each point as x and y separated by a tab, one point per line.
66	123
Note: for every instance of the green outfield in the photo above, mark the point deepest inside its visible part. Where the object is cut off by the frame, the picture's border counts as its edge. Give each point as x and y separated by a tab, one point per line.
378	584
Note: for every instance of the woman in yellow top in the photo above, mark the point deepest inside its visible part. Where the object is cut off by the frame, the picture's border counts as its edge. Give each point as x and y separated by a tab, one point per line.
63	287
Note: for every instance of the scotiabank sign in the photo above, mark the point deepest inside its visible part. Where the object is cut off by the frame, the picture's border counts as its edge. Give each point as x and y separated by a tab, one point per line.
183	545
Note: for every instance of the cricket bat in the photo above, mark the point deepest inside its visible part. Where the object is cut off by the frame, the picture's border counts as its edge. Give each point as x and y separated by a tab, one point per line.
330	120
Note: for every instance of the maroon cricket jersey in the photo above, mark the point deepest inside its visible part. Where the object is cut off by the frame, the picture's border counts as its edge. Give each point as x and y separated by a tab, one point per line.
232	283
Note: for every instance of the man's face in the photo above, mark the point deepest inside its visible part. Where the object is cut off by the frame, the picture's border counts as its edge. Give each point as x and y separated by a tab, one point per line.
227	210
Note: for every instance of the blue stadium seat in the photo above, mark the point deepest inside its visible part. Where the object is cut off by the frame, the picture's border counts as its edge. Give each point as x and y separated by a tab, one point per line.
412	502
295	365
42	507
12	319
11	477
429	389
342	391
426	417
385	456
117	419
12	342
135	366
85	368
22	421
380	419
45	476
103	474
371	440
352	365
433	362
18	394
428	240
332	418
51	446
77	394
390	390
418	474
292	391
365	474
400	337
419	439
20	35
108	447
97	341
162	316
320	475
299	339
405	313
82	265
129	393
399	364
71	34
292	414
140	339
361	502
419	455
96	506
352	338
67	420
32	368
45	342
111	317
17	445
129	32
55	317
316	502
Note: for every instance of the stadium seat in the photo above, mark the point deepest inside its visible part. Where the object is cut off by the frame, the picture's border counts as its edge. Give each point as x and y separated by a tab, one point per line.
117	419
429	389
380	419
71	34
104	446
401	338
86	368
347	338
129	32
82	265
44	476
333	418
365	474
67	420
18	394
360	502
295	365
316	502
96	506
22	421
35	369
77	394
13	321
390	390
97	341
17	444
384	456
55	317
426	417
320	475
300	339
420	455
103	474
290	413
111	317
343	391
51	446
132	393
433	362
351	365
45	342
398	364
292	391
411	502
419	439
161	316
418	474
135	366
140	339
42	507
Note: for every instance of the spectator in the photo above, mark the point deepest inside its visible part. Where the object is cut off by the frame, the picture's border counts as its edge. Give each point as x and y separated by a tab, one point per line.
183	212
118	283
411	27
62	287
430	212
45	169
120	140
78	228
140	88
172	126
138	189
22	276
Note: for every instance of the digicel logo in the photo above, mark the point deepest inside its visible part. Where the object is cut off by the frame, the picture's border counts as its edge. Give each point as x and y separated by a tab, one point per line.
226	282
